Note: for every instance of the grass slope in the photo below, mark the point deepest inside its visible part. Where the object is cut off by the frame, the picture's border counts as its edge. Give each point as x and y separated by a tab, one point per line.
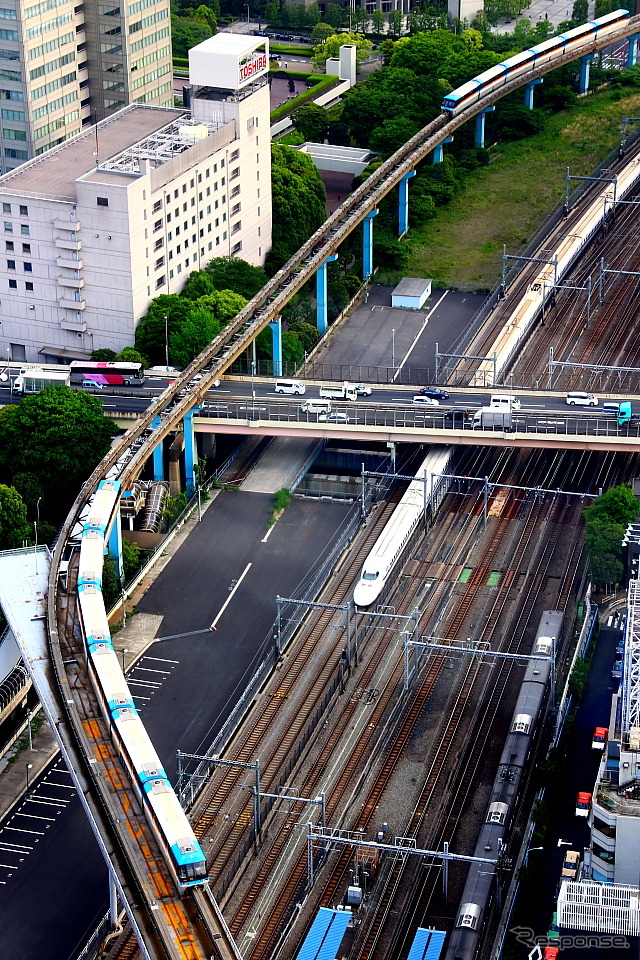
508	200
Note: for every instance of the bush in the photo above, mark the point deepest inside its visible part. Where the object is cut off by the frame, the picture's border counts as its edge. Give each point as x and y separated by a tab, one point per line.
282	499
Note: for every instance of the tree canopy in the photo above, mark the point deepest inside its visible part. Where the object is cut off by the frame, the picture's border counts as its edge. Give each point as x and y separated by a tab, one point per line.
298	203
14	529
331	47
311	121
606	520
58	435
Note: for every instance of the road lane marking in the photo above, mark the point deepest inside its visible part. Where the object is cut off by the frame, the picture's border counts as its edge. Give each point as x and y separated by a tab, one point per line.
267	534
230	597
165	659
417	336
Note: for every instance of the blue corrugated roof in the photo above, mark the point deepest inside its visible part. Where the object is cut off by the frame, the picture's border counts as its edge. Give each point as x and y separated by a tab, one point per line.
427	944
324	939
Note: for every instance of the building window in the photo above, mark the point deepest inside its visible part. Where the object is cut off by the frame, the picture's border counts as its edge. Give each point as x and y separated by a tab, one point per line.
24	229
26	247
102	201
159	263
28	267
168	218
29	286
159	243
160	282
13	284
235	155
237	247
9	244
11	264
184	188
157	206
157	226
23	211
6	208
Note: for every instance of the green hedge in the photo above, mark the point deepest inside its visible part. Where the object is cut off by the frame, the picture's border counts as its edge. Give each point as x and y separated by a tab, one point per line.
296	75
324	84
292	51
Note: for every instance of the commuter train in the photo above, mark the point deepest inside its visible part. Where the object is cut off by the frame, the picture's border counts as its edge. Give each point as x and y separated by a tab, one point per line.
496	77
181	850
391	543
465	937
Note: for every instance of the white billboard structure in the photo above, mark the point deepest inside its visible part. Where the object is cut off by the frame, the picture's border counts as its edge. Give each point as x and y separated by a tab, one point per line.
229	61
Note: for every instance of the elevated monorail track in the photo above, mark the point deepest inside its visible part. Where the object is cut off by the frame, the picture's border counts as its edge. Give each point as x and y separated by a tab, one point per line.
173	930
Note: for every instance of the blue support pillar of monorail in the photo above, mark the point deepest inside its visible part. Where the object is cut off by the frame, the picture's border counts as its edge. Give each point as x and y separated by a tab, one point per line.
584	72
632	49
276	335
158	455
480	127
115	545
528	92
403	203
190	450
367	244
438	152
321	294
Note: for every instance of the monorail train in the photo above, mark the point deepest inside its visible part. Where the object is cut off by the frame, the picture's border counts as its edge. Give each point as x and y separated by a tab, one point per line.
181	850
465	937
390	544
496	77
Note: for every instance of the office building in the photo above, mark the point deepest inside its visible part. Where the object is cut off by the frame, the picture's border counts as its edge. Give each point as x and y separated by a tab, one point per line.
66	65
98	226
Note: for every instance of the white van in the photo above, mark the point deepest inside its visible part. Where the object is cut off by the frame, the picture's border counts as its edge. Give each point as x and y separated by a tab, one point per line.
581	399
315	406
290	386
504	401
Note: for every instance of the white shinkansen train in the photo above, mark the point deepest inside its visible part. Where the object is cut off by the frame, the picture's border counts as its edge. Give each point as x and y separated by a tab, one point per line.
390	544
166	817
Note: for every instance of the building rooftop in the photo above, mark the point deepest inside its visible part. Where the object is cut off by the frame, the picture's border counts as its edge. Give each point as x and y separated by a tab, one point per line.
53	175
411	287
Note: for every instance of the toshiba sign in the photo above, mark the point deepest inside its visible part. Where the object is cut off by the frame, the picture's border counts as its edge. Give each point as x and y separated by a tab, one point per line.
257	64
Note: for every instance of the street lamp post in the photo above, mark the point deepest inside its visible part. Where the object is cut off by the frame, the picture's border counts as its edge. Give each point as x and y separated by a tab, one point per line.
530	850
29	767
393	350
124	651
29	728
247	6
166	340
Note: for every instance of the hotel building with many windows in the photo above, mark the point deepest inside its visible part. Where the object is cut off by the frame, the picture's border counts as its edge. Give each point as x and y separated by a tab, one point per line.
97	227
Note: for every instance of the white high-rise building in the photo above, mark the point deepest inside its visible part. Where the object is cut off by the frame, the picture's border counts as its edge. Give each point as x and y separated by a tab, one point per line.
67	64
97	227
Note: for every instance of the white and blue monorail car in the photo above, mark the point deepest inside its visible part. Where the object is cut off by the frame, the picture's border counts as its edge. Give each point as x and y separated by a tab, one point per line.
495	77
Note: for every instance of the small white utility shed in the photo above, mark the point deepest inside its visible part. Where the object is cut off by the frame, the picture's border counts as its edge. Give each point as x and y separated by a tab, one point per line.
411	293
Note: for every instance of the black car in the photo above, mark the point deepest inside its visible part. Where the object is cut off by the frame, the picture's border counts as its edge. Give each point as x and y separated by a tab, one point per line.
434	392
458	415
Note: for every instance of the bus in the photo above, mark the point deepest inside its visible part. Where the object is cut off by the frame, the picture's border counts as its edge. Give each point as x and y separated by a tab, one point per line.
116	372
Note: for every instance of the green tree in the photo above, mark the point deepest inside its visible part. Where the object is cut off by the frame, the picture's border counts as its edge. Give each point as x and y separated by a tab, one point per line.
272	12
321	31
292	347
618	505
333	15
198	285
311	121
307	334
187	33
103	355
59	435
312	15
331	48
31	490
205	15
165	315
392	134
130	355
378	22
298	203
233	273
194	333
132	559
14	529
580	12
396	21
222	304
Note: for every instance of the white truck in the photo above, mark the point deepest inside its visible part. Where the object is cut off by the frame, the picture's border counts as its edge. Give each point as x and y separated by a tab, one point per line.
339	391
493	419
35	379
